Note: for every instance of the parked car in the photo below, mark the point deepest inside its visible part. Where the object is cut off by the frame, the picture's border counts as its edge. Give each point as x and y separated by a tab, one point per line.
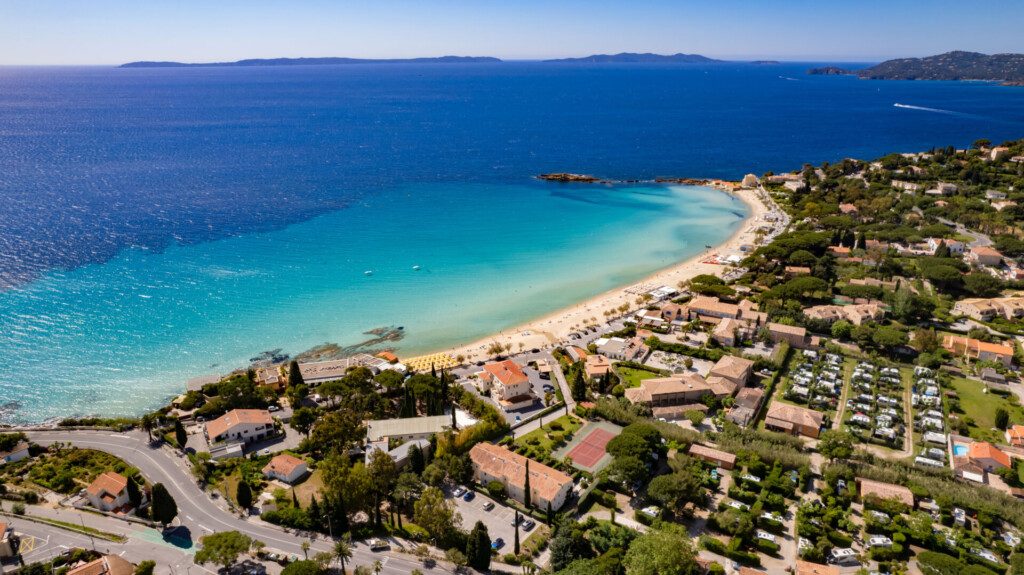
516	519
379	545
273	408
488	506
459	490
468	496
528	525
497	543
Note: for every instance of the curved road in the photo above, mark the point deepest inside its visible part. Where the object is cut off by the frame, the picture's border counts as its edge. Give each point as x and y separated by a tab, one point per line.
201	514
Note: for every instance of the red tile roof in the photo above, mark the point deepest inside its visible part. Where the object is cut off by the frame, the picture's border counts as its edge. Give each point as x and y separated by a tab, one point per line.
108	482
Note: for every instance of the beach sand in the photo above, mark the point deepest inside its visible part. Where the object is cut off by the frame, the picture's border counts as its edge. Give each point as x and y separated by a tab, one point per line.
554	328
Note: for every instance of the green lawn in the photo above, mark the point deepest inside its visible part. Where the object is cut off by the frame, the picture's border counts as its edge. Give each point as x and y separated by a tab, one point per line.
981	407
547	439
631	377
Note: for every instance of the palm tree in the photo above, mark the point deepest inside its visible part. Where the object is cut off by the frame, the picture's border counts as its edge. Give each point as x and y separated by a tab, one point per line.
343	551
378	567
149	423
305	548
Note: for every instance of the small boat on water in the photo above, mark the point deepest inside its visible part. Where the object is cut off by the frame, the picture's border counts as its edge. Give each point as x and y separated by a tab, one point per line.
416	268
368	273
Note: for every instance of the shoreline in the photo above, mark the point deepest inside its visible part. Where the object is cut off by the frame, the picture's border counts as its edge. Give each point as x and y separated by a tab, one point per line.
554	328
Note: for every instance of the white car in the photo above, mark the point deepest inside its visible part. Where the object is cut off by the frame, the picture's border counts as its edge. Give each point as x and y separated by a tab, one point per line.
458	491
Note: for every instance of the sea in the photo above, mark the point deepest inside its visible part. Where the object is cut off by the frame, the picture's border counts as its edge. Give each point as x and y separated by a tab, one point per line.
166	223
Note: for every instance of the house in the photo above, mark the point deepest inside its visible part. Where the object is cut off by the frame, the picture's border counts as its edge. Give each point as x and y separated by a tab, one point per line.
710	308
997	153
749	181
316	372
8	541
794	271
241	425
286	467
905	186
577	353
1015	435
509	385
880	490
17	453
747	403
730	332
400	454
791	334
794	186
946	188
808	568
106	565
720	458
108	491
995	195
841	252
977	349
678	389
956	247
856	314
736	370
596	366
986	256
632	349
847	209
794	420
989	375
987	456
548	486
406	428
271	376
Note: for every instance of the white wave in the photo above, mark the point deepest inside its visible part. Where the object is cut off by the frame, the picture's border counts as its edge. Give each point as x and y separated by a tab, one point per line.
925	109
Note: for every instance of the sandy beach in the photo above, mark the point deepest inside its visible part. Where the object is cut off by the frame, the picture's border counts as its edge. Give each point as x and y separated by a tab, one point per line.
555	328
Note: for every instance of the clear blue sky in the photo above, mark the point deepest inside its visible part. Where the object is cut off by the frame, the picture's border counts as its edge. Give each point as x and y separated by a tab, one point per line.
115	31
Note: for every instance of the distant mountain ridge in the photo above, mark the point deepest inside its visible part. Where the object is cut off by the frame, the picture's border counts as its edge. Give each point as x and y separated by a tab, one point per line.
634	58
315	62
957	65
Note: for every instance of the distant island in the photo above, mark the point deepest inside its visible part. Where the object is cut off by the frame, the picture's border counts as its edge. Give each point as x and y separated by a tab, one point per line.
634	58
959	65
316	62
766	62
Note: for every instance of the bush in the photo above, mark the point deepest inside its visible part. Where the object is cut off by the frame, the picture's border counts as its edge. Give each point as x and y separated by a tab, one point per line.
19	508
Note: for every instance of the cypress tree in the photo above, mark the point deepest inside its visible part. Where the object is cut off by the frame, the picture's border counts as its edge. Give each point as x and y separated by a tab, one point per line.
515	547
295	375
164	507
478	548
526	486
295	500
243	495
315	515
134	495
416	460
179	434
550	515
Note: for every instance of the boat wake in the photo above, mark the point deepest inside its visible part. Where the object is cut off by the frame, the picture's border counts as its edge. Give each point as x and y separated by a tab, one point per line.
926	109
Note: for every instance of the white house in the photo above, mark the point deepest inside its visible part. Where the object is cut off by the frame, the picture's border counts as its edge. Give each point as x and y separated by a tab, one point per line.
242	425
286	467
108	492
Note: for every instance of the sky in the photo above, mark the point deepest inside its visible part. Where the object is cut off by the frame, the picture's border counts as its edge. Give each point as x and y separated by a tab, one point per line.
104	32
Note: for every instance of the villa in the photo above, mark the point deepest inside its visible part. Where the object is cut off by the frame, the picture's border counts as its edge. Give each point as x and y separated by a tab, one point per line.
988	456
109	491
677	390
735	370
987	309
986	256
495	463
106	565
632	349
748	402
857	314
722	459
241	425
791	334
510	387
286	467
977	349
1015	435
794	420
596	366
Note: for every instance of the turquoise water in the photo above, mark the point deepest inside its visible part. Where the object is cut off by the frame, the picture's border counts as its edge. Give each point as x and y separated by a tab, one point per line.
123	336
959	449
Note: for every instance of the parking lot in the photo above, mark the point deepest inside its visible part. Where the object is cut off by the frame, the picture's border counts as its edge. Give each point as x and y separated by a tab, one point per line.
497	520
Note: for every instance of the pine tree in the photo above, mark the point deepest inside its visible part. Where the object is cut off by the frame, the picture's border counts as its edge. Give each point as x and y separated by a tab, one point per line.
416	459
579	385
478	548
526	486
243	495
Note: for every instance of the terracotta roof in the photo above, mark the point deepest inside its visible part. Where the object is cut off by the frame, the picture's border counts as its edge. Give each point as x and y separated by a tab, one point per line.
957	344
794	414
107	482
712	304
222	424
507	372
732	367
808	568
1015	433
106	565
749	397
684	383
791	329
283	465
497	461
711	453
985	251
985	450
885	491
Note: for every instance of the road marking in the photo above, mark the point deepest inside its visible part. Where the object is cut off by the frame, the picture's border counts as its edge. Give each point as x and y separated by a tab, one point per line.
189	517
206	528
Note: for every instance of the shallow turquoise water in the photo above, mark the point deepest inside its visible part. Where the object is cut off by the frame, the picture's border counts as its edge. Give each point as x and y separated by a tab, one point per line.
123	336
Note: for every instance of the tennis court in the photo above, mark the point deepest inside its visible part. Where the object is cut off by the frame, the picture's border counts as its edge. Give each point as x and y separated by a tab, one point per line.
587	448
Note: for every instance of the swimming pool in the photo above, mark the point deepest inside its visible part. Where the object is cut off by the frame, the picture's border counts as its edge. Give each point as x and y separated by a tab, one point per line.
959	449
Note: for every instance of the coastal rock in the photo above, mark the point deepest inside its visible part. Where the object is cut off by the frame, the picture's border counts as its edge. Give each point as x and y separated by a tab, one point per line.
829	71
566	177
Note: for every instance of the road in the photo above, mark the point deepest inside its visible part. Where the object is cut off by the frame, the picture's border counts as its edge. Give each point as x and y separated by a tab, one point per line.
202	515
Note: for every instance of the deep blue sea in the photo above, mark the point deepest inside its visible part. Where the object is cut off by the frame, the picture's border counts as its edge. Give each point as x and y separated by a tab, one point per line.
164	223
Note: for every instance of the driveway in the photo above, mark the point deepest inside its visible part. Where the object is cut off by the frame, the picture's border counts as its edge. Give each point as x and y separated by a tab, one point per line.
497	520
